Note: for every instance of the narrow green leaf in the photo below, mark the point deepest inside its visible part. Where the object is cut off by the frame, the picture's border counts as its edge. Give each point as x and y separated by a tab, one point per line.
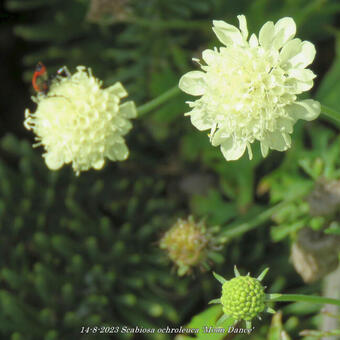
214	301
219	278
237	273
263	274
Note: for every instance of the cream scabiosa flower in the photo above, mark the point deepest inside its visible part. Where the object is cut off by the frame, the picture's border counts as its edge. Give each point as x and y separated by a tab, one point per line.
78	122
249	88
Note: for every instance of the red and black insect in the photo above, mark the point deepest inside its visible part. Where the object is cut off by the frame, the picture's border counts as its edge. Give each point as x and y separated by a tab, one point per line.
41	81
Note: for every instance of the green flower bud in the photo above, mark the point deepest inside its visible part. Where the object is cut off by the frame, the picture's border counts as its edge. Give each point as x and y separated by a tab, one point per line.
243	297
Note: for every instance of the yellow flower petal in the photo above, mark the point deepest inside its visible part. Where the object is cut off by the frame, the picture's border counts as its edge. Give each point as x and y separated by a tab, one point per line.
285	30
128	110
266	35
264	148
200	121
278	141
243	26
193	83
305	56
232	150
227	34
307	109
118	152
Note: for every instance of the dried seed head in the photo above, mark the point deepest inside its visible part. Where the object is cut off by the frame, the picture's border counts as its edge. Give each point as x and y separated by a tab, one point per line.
188	244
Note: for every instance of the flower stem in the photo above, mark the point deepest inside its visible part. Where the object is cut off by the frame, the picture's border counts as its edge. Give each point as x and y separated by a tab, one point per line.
236	229
330	114
152	104
304	298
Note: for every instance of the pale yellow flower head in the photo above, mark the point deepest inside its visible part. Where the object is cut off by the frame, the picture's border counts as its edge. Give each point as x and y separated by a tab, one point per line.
78	122
249	87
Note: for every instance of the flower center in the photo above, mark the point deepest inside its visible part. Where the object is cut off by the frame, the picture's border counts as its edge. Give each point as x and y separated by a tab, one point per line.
246	91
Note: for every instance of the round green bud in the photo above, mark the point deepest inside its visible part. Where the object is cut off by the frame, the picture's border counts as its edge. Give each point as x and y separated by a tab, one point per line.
243	298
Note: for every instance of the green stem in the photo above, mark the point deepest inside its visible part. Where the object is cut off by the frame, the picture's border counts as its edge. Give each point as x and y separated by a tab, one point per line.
330	114
154	103
304	298
236	229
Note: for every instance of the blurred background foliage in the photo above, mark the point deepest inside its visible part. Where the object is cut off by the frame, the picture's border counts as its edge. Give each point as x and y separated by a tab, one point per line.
84	251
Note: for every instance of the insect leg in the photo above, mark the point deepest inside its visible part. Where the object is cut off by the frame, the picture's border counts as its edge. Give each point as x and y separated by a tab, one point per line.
64	72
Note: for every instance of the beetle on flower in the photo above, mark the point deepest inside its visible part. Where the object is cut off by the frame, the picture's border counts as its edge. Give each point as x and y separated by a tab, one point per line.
249	88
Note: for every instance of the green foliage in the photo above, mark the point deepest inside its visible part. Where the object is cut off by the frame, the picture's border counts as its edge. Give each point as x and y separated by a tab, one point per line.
304	166
204	321
80	251
276	330
327	92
